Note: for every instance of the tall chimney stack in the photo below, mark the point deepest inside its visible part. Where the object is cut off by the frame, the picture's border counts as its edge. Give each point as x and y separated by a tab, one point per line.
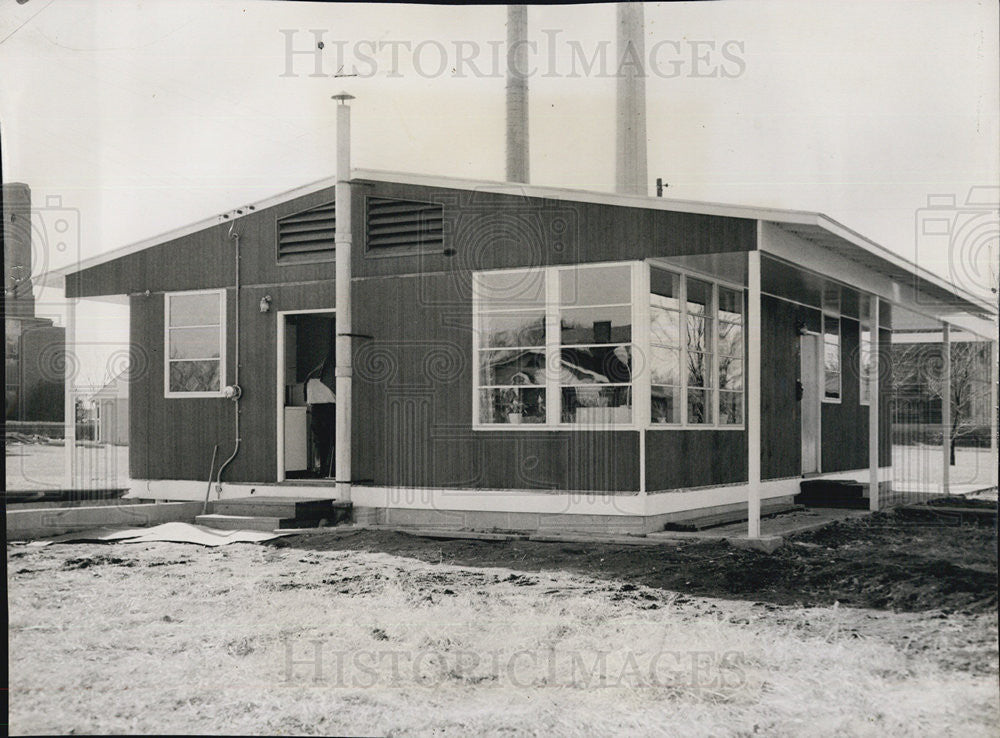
630	124
517	93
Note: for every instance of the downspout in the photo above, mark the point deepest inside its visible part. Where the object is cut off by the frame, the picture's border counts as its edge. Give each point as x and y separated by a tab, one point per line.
233	391
342	257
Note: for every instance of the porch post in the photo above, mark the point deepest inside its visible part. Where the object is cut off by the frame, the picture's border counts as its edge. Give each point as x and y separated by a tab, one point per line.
753	394
69	400
946	407
343	238
874	406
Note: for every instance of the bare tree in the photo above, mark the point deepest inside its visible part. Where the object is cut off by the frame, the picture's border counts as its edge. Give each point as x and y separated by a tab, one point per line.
918	372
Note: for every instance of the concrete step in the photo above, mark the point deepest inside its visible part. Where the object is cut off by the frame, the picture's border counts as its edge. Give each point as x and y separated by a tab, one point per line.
301	508
243	522
842	493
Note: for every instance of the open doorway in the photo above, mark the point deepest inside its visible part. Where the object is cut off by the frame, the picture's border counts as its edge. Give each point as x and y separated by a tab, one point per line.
306	399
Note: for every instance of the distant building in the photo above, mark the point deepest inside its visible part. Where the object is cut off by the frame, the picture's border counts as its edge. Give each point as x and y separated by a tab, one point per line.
34	348
110	405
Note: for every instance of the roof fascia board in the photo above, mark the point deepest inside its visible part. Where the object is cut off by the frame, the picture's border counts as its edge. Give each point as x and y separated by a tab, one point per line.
804	254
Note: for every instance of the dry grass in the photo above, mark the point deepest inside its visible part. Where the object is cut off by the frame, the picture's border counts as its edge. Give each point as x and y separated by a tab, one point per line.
171	638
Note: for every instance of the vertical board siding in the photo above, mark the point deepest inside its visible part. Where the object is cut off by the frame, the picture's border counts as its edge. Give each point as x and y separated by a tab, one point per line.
781	413
171	438
694	458
413	404
845	424
413	379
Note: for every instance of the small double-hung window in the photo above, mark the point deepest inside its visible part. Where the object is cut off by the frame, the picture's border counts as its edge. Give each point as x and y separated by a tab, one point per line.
195	340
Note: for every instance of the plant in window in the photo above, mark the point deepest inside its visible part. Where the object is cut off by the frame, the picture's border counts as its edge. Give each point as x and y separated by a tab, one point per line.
513	405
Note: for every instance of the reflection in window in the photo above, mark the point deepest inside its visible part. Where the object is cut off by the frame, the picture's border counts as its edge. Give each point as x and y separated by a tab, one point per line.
665	346
592	380
511	346
595	318
831	357
195	338
709	388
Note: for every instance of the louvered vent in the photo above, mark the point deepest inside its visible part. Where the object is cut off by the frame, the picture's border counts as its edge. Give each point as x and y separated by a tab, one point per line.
404	224
309	233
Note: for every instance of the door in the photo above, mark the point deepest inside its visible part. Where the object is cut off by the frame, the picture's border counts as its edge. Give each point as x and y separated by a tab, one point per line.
809	401
305	428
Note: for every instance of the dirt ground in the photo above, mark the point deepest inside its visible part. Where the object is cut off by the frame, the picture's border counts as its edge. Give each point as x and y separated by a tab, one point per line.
388	634
919	566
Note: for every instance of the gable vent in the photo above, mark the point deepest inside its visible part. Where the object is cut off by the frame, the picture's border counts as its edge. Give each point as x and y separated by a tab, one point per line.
404	224
308	233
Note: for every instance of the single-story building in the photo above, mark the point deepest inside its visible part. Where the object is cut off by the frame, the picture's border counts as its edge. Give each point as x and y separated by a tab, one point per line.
522	356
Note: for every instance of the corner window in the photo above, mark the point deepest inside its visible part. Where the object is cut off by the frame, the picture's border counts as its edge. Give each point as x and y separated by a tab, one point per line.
194	340
696	352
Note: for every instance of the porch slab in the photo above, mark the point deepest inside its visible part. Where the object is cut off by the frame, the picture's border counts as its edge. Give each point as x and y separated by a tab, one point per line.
767	544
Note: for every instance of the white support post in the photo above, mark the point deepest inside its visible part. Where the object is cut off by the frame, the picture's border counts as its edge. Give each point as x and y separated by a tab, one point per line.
873	405
753	393
946	407
69	407
342	240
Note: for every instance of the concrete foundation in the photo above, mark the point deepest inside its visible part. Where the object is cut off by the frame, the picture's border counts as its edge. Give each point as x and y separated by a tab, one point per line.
399	517
26	525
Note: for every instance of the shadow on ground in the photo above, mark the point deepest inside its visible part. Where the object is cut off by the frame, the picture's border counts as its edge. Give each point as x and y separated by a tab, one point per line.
887	561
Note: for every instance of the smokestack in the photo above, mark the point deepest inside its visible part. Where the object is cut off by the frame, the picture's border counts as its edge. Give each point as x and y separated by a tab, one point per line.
517	93
630	125
343	238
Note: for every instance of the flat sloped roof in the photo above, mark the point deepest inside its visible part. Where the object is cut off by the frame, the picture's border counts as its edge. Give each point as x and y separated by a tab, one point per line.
815	227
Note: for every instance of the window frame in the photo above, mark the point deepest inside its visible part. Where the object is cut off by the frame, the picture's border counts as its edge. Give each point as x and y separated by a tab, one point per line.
167	298
828	313
715	283
640	385
552	310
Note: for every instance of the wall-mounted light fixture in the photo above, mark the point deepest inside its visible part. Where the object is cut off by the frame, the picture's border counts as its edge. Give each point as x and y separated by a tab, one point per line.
265	304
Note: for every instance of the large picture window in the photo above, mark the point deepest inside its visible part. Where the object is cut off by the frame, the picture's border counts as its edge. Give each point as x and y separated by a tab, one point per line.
696	352
559	347
554	346
194	343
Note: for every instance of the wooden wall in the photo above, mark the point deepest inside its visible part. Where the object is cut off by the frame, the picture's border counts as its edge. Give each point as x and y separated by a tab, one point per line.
694	458
413	404
780	414
413	381
844	424
844	429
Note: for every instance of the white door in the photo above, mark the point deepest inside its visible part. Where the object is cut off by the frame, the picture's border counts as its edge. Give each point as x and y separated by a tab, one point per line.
809	378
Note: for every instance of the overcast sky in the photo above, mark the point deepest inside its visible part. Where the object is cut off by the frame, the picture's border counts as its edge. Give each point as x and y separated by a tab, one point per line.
142	117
